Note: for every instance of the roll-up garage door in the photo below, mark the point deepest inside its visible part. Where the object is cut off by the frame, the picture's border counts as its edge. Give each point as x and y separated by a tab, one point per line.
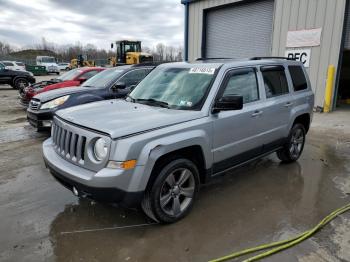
347	28
239	30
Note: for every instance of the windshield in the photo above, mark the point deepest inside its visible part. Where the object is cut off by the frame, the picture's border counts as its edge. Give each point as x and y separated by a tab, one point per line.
178	88
103	78
70	75
48	59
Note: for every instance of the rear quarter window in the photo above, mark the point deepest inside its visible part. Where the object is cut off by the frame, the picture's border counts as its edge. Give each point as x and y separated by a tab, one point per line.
298	78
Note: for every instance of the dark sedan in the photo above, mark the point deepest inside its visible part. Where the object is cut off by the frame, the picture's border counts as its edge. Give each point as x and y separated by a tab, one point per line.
112	83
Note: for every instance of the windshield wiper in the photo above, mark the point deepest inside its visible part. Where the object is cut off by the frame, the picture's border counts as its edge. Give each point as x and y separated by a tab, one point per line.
151	101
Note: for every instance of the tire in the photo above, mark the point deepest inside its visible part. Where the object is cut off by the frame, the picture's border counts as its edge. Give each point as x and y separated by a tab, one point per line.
171	196
57	73
20	83
292	150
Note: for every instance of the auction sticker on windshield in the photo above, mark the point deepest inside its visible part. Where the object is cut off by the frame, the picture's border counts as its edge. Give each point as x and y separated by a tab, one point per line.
202	70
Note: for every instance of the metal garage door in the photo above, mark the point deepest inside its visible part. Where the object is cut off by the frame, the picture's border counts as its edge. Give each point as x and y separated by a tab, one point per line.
240	30
347	28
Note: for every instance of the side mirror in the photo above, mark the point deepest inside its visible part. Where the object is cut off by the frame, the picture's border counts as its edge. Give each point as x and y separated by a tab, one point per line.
118	86
226	103
81	79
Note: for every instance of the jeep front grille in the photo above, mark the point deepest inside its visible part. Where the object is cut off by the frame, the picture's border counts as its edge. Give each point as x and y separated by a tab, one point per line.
34	104
69	144
74	144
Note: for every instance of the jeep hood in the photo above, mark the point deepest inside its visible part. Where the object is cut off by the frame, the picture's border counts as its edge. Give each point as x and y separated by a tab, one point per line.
120	118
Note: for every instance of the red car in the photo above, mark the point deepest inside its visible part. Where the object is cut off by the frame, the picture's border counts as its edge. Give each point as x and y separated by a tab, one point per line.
74	77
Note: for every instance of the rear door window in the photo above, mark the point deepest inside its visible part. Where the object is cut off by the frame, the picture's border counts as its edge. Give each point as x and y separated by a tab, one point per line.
275	81
298	78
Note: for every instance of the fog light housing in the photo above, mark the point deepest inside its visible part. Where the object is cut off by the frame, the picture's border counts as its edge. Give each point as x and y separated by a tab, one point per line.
129	164
46	123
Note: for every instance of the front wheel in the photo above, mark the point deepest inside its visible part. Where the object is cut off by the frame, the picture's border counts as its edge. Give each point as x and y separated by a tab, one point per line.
172	194
294	146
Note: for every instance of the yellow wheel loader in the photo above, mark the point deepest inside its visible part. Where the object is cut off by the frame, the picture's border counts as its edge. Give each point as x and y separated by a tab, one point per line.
129	53
81	61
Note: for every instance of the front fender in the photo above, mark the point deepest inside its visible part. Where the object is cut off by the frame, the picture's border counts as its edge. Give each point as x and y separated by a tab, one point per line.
153	150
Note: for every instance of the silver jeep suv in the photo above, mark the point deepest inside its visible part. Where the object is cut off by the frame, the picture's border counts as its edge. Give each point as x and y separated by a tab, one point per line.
182	125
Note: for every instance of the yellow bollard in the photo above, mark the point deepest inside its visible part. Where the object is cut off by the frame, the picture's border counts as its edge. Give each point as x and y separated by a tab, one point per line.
329	89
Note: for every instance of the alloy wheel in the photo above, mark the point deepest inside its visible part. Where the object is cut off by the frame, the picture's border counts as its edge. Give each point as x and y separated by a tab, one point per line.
296	143
177	191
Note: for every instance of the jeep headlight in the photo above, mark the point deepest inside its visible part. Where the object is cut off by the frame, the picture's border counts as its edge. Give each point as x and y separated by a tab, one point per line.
54	103
100	149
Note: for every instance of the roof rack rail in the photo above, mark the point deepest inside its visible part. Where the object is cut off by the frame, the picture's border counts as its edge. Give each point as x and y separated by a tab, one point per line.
212	58
271	57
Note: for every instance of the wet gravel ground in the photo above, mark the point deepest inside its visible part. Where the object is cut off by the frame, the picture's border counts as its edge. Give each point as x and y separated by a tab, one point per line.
261	202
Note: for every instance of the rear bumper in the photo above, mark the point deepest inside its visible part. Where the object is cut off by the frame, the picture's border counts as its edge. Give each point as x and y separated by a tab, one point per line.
31	80
40	119
101	186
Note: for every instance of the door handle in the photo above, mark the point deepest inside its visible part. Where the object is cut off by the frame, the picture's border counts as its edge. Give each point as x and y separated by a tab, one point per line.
257	113
288	104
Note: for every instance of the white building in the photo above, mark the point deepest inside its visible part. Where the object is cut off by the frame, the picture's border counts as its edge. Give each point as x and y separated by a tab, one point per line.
314	31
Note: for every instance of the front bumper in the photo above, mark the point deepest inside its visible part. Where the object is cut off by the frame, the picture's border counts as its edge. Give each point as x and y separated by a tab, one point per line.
53	70
107	185
40	119
24	100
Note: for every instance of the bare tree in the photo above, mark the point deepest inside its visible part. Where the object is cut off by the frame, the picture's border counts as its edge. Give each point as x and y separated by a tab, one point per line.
160	52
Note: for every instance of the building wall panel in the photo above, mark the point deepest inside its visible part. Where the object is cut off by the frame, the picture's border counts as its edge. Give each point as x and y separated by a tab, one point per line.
289	15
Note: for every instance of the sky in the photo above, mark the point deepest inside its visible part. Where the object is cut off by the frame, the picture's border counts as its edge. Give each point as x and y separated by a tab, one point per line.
23	23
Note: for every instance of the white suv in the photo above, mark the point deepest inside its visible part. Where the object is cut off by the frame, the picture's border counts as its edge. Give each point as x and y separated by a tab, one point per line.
14	65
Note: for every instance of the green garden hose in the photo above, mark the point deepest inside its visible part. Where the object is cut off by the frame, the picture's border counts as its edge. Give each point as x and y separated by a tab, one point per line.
283	244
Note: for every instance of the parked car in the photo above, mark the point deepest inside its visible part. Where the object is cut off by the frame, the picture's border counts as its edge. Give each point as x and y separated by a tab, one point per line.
16	79
14	65
111	83
64	66
182	125
72	78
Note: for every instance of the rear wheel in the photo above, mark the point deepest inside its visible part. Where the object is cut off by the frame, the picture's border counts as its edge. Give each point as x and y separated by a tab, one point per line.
294	146
20	83
172	193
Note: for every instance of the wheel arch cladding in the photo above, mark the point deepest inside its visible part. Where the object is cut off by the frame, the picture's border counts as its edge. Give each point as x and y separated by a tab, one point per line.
196	149
193	153
303	119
